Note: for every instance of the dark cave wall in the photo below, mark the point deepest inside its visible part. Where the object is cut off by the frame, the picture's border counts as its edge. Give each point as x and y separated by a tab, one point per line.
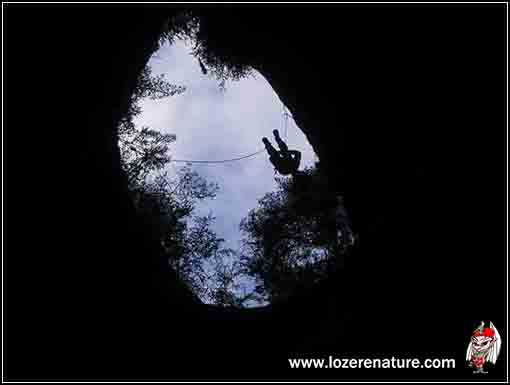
80	271
392	102
403	106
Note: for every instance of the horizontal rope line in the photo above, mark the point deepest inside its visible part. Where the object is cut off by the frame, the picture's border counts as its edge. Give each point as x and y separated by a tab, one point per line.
216	161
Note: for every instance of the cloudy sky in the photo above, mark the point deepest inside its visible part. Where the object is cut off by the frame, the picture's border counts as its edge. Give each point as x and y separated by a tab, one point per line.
215	125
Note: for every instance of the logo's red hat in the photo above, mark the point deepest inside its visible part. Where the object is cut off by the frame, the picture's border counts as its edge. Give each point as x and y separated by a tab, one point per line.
486	332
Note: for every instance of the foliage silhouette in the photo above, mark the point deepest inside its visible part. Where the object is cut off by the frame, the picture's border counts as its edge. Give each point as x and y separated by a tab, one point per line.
224	66
295	236
167	204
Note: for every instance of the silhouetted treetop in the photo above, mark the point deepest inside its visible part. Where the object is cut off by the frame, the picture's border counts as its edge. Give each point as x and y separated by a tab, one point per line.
295	236
219	61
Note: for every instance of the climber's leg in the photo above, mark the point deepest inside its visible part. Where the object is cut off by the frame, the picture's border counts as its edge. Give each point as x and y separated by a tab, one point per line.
280	142
273	153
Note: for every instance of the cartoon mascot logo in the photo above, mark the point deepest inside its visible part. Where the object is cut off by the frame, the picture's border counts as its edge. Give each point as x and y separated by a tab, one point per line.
484	347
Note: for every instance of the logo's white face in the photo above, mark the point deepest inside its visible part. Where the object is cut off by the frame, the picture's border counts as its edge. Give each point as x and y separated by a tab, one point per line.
482	343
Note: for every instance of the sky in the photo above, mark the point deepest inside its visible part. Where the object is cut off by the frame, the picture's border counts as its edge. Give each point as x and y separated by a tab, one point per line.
211	124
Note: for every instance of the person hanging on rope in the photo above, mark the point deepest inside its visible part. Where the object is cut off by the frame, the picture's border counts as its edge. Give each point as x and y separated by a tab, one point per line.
285	161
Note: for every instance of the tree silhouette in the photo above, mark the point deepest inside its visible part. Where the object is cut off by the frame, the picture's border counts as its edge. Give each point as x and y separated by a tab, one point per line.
295	236
166	204
186	25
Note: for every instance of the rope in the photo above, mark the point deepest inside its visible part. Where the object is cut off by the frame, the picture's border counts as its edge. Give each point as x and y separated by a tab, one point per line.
285	117
217	161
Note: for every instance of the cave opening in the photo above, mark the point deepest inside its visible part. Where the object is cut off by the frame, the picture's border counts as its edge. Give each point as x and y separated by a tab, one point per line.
233	229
